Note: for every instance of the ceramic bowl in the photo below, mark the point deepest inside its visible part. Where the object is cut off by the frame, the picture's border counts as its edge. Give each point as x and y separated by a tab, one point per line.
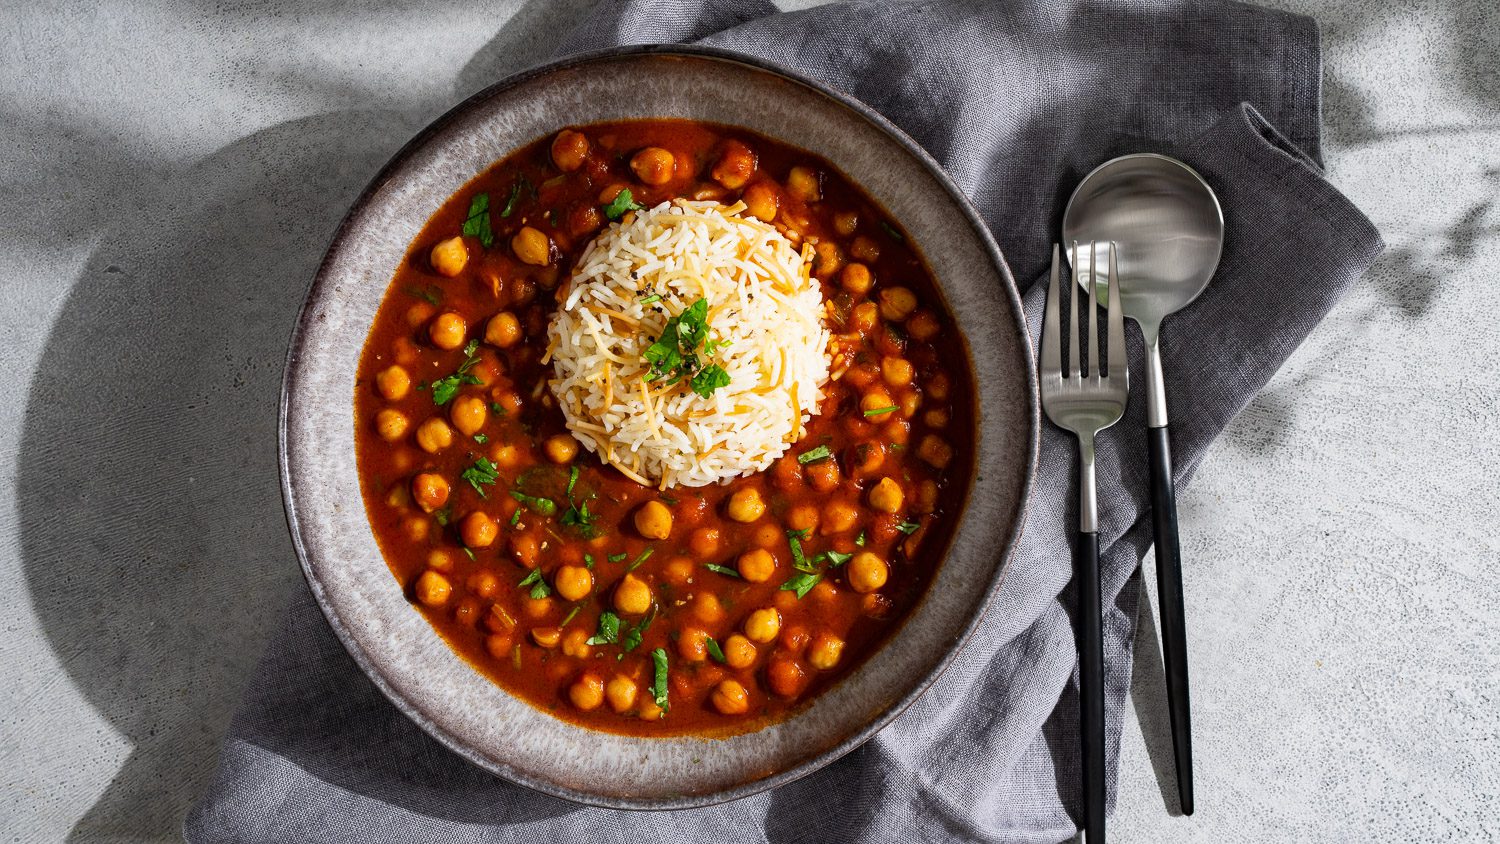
396	646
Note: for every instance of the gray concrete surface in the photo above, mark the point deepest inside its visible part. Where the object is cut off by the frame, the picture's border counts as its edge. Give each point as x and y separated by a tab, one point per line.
171	170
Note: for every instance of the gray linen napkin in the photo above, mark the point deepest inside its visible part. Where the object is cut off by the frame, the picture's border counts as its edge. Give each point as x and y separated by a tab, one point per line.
1018	101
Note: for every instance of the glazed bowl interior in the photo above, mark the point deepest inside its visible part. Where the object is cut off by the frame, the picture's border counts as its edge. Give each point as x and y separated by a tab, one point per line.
397	647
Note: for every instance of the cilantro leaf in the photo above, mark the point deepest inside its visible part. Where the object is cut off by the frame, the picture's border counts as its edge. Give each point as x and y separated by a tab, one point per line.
515	193
860	540
893	232
539	587
615	558
609	630
709	379
802	583
632	639
724	570
714	650
622	203
478	222
908	528
880	411
444	389
835	558
659	685
814	455
636	563
540	506
482	472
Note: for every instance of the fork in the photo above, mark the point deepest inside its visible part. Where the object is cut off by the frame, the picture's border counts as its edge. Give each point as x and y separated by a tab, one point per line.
1087	403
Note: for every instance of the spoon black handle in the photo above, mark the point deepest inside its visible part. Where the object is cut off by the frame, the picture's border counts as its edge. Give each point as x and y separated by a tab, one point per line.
1091	684
1169	596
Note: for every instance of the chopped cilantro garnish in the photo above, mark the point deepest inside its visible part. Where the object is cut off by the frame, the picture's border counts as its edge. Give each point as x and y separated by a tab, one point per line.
588	561
571	614
515	194
572	479
835	558
714	650
609	630
674	355
481	438
539	587
431	293
893	232
478	222
622	202
879	411
860	540
799	560
496	409
615	558
711	378
632	638
578	516
444	389
540	506
483	473
469	551
659	685
443	515
515	518
647	300
802	583
636	563
724	570
908	528
813	455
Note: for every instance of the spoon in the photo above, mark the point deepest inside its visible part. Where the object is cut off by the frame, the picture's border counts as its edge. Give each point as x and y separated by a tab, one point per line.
1170	232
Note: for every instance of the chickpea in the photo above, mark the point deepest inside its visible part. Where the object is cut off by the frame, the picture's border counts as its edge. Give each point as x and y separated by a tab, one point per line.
839	516
692	644
583	219
503	330
704	542
416	528
569	149
653	520
730	698
761	201
927	495
867	572
739	652
823	476
649	711
805	183
896	303
876	399
856	279
897	372
509	401
935	451
478	530
632	596
653	165
757	566
746	505
865	249
498	645
546	637
484	584
867	458
587	693
419	313
505	456
561	448
468	414
845	222
620	692
439	559
575	643
786	471
525	548
448	330
573	583
707	609
391	424
680	570
434	435
405	351
433	590
429	490
886	496
532	247
736	165
824	591
786	676
449	256
909	404
803	517
794	639
393	382
864	316
763	625
537	608
829	259
937	418
768	535
825	651
922	326
937	387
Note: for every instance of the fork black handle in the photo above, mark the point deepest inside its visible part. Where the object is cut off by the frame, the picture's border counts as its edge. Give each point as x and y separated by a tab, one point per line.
1091	685
1169	596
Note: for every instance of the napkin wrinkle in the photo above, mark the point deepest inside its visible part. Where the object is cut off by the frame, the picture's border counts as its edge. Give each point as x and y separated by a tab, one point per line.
1017	101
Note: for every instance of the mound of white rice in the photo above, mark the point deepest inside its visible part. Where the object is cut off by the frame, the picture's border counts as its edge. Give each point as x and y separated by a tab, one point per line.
765	313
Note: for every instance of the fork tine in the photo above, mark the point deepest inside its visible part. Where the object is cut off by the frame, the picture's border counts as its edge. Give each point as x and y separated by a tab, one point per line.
1116	349
1094	308
1075	361
1051	342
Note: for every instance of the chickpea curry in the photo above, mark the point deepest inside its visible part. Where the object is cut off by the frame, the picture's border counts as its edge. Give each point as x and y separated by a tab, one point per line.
633	608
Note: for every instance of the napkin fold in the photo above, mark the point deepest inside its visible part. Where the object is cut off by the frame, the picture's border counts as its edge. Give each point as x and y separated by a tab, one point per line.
1017	101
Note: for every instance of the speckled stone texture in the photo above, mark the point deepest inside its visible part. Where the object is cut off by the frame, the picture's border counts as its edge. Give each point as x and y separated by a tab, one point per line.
170	173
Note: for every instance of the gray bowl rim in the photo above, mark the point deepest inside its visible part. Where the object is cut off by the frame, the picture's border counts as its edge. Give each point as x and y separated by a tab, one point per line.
854	740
